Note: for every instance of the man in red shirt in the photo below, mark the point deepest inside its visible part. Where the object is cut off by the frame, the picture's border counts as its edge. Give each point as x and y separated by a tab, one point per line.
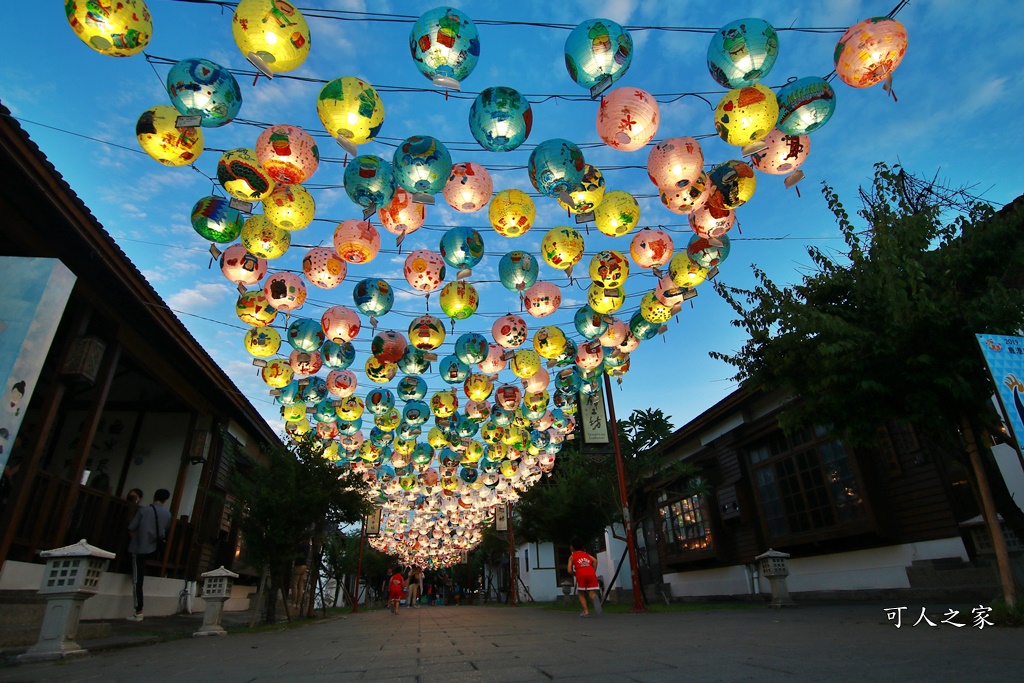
584	566
396	586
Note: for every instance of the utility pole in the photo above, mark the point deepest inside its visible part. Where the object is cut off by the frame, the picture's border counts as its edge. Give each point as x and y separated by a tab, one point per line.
359	567
511	562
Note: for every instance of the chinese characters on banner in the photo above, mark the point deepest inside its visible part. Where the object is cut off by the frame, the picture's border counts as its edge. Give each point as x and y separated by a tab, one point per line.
500	518
592	418
979	618
373	520
1004	356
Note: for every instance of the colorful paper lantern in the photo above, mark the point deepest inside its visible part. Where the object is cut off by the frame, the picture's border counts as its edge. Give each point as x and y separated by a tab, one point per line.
444	403
685	272
452	370
605	300
708	252
510	331
585	195
642	329
495	361
373	296
262	342
356	241
241	267
379	401
253	309
609	268
746	115
508	396
686	199
589	322
555	166
598	49
783	153
402	216
675	162
388	346
469	187
805	105
199	87
424	270
589	356
518	270
525	363
323	268
240	173
742	52
350	408
288	153
341	383
421	164
500	119
159	138
712	222
277	373
471	348
668	292
305	335
294	412
290	207
537	382
869	51
340	324
215	220
511	212
617	214
549	341
459	300
285	291
350	109
369	181
338	356
627	119
378	371
462	248
416	412
272	34
445	46
732	184
426	333
117	29
305	364
263	239
562	247
631	343
651	248
542	299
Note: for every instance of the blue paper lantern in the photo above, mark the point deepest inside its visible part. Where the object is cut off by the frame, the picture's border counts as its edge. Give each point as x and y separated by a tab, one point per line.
642	329
306	335
742	52
413	361
518	270
324	412
369	181
411	388
445	46
315	392
556	167
708	252
462	247
350	427
416	412
500	119
589	323
453	370
568	355
567	382
373	296
422	164
291	393
597	49
215	220
805	105
199	87
380	401
471	348
381	439
337	356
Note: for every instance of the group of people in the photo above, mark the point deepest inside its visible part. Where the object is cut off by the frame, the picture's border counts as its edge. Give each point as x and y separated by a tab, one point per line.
413	588
148	532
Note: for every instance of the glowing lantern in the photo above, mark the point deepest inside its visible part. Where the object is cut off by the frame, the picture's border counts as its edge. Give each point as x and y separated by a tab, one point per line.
424	270
627	119
263	239
426	333
356	241
421	164
651	248
617	213
119	29
241	267
708	253
549	341
538	381
459	300
783	154
685	200
277	373
469	187
510	331
323	267
262	342
562	247
870	51
340	324
500	119
294	412
253	309
609	268
416	412
162	141
511	212
350	408
589	356
471	348
315	391
288	153
462	248
536	401
285	291
328	431
732	184
242	176
305	364
378	371
555	167
290	207
589	323
598	49
402	216
684	272
642	329
411	388
615	334
585	195
712	222
605	300
746	115
272	34
675	162
805	105
341	383
445	46
653	310
338	356
373	297
452	370
388	346
199	87
444	403
413	361
477	388
542	299
215	220
350	110
742	52
495	361
508	396
369	181
305	335
525	363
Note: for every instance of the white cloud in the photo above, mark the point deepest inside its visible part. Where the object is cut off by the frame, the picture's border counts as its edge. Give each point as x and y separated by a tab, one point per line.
200	296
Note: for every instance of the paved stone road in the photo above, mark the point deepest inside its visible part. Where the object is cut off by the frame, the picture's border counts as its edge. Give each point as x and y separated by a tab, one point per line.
451	644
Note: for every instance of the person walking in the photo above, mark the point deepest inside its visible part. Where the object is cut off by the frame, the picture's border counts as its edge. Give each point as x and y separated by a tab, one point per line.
415	586
584	566
149	531
396	586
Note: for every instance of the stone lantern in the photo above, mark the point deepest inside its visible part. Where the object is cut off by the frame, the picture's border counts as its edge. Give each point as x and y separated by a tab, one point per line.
773	566
72	575
216	590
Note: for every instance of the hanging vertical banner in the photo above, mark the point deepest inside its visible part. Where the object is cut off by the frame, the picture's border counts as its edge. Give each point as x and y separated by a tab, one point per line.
1004	356
593	418
373	522
500	518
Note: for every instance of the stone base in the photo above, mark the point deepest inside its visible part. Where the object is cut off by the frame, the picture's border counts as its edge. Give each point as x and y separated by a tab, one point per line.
210	631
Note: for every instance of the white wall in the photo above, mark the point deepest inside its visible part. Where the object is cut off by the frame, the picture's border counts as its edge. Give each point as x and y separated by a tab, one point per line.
1013	472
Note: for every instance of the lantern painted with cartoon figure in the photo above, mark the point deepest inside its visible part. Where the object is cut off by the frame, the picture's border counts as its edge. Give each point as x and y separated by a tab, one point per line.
685	200
263	239
199	87
459	300
542	299
338	356
402	216
732	184
350	109
323	268
746	115
422	164
369	181
510	331
711	221
162	141
477	387
870	51
615	334
413	361
305	364
288	153
783	154
373	296
495	361
549	341
562	247
341	383
340	324
555	166
290	207
627	119
469	187
518	270
305	334
356	241
598	49
462	248
262	342
253	309
589	356
426	332
589	322
119	29
277	373
444	403
215	220
388	346
805	105
605	300
617	214
651	248
653	311
675	162
742	52
609	268
285	291
424	270
511	212
500	119
241	267
272	34
685	272
242	176
445	46
452	370
585	195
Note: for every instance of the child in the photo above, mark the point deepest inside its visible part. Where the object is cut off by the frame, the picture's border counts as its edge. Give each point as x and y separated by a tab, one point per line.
396	586
584	566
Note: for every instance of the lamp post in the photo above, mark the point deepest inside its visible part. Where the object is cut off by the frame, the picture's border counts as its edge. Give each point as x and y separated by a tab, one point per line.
511	563
359	566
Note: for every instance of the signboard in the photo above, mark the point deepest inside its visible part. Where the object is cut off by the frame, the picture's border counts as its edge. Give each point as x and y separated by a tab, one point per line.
373	522
500	518
1004	356
593	418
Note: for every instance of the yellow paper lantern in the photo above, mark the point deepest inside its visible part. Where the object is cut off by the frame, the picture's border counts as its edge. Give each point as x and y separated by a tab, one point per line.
253	309
586	194
562	247
117	29
426	333
617	214
609	268
290	207
549	341
605	300
162	141
478	387
444	403
298	428
263	239
746	115
272	34
511	212
732	184
242	175
525	363
262	342
350	109
653	311
459	300
350	408
380	371
294	412
685	272
277	373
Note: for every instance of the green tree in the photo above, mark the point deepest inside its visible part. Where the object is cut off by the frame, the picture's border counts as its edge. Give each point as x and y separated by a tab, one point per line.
885	330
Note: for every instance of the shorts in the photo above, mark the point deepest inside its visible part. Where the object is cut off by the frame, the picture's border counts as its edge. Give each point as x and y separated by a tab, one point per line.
395	593
587	582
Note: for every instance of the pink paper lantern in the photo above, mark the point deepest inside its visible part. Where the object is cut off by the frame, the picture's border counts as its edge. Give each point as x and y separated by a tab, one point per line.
630	343
494	362
510	331
589	355
615	334
305	364
537	382
627	119
356	241
287	153
675	162
285	291
469	187
651	248
341	324
424	270
684	200
712	222
668	292
402	216
241	267
388	346
341	383
542	299
870	51
783	154
323	268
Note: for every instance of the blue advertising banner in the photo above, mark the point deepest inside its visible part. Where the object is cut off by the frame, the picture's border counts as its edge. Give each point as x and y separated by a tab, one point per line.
1005	358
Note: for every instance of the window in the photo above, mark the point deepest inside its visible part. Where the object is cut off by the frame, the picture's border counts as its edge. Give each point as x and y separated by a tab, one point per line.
684	523
805	484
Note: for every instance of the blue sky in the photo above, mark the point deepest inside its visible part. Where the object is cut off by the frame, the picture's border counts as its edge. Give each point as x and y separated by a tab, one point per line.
959	91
